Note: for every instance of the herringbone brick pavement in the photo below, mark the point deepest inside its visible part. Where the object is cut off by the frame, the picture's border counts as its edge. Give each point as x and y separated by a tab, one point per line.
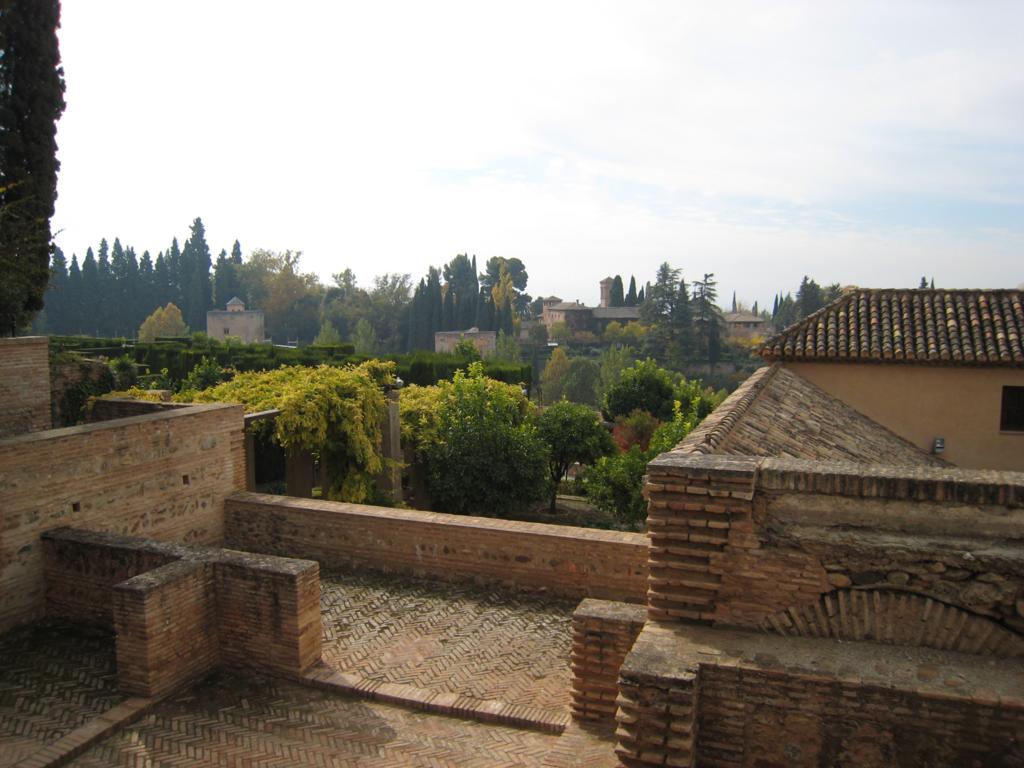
480	643
54	677
254	721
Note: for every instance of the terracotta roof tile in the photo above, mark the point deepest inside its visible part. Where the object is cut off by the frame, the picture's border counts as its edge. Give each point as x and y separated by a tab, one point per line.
938	327
777	413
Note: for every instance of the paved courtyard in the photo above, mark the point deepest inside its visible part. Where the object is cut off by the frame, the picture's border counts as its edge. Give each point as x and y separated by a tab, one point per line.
54	677
483	644
253	721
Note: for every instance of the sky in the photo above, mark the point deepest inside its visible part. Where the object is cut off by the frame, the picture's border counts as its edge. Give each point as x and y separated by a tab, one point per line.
859	143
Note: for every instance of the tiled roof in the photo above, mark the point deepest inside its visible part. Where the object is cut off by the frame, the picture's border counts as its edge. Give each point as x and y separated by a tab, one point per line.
742	317
776	413
568	306
938	327
617	313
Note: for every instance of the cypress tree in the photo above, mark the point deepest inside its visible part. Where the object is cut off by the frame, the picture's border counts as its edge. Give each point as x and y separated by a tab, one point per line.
31	101
147	289
617	299
57	292
640	297
734	301
162	289
175	282
236	253
90	296
631	297
436	302
448	309
117	302
196	263
72	321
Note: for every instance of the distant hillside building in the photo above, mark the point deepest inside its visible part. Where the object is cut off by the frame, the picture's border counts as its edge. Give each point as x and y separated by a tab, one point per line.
744	324
486	342
579	317
236	322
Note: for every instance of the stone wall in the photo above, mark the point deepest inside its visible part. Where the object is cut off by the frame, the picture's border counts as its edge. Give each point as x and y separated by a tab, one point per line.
164	476
736	541
24	385
110	408
179	611
693	695
575	562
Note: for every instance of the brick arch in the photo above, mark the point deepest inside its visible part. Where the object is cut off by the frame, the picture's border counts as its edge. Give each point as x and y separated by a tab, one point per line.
897	618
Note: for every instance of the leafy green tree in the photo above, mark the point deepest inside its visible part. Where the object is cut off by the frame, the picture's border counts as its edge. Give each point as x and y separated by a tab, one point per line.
365	338
507	348
809	298
197	291
487	458
328	335
615	485
466	350
226	285
668	314
646	387
573	433
580	382
31	101
612	362
165	321
552	378
706	318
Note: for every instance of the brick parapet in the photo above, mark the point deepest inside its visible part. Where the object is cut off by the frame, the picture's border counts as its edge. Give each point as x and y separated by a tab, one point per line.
561	560
163	475
764	700
24	385
602	634
193	609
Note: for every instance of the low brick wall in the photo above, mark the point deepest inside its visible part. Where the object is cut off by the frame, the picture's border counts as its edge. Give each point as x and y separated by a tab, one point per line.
574	562
167	627
163	475
24	385
180	611
602	634
694	695
110	408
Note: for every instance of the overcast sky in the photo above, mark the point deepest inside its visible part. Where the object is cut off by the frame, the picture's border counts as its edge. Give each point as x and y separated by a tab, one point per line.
859	143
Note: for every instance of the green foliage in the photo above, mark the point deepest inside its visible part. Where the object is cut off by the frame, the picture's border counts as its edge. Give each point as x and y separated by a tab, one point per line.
637	428
123	369
646	387
336	412
507	348
482	455
612	362
466	350
205	375
164	322
552	378
573	433
615	483
328	335
580	382
31	101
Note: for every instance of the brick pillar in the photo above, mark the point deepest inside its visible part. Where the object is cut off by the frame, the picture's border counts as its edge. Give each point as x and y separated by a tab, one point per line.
693	505
657	723
602	634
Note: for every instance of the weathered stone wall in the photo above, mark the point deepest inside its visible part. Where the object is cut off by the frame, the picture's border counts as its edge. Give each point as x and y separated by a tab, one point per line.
693	695
179	611
164	476
602	634
575	562
24	385
736	541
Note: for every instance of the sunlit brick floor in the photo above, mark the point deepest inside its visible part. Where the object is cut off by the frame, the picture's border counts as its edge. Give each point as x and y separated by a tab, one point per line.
481	643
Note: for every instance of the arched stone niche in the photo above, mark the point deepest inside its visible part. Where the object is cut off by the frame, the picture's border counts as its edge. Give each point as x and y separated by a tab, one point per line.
896	617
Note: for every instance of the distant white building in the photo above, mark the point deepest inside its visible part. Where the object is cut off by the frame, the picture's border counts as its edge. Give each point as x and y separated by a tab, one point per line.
236	322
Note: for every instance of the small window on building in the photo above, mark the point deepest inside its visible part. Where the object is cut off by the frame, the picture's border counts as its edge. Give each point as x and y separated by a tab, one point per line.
1012	419
227	331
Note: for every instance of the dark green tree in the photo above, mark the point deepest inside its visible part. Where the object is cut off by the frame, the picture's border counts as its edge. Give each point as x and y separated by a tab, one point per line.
72	322
644	387
631	296
57	292
667	312
90	292
573	433
809	298
31	102
579	384
197	290
617	298
707	321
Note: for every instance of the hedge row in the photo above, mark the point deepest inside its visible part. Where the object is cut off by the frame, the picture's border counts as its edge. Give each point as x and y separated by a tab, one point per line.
180	356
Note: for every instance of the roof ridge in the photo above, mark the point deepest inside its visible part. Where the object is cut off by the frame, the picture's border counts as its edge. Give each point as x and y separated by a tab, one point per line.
713	431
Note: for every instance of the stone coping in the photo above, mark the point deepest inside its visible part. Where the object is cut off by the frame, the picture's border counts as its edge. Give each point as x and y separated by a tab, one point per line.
944	484
610	610
438	518
678	651
101	426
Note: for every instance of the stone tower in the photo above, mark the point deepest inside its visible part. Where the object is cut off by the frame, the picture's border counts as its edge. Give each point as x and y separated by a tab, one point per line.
606	292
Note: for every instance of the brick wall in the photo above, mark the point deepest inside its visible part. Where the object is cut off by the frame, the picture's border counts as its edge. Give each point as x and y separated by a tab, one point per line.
110	408
602	634
694	695
167	627
164	476
737	541
182	610
575	562
24	385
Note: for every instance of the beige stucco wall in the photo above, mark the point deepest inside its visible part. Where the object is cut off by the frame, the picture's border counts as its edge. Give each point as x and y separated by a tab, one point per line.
486	342
922	402
246	326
